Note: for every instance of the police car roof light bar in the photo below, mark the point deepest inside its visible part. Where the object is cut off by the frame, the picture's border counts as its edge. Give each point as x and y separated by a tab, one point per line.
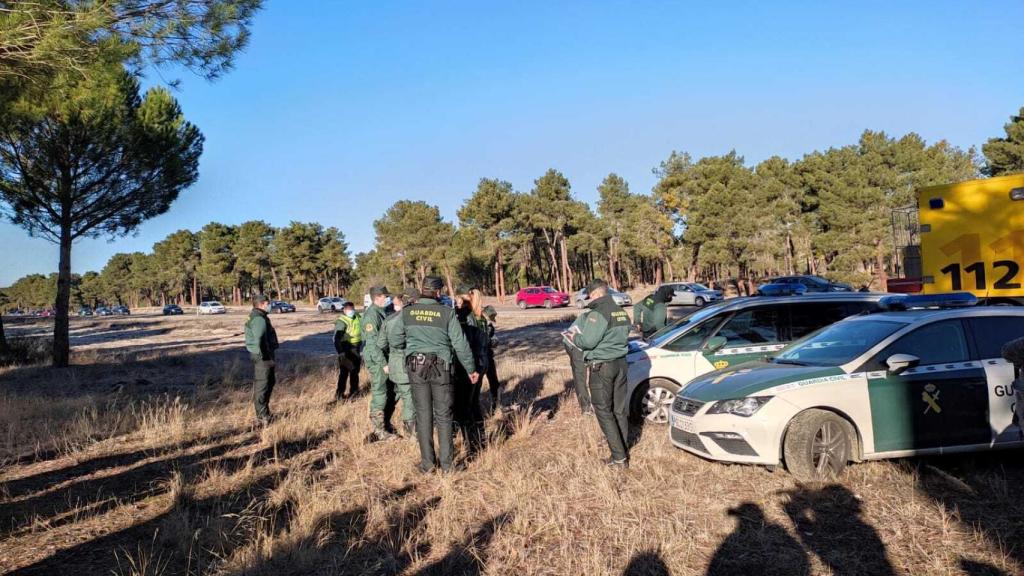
917	302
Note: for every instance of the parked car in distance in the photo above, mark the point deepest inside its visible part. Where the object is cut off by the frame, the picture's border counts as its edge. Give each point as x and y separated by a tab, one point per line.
85	311
121	310
811	283
104	311
212	307
173	310
281	307
621	298
545	296
692	294
330	304
773	289
924	377
725	334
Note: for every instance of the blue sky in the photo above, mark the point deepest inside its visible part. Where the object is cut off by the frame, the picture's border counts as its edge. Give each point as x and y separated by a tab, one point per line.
338	109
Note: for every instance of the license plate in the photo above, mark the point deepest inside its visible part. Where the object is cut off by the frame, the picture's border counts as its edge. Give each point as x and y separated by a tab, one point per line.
684	424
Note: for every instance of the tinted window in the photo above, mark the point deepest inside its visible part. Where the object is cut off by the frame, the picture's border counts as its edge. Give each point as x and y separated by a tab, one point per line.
693	337
806	318
757	326
934	343
991	333
839	343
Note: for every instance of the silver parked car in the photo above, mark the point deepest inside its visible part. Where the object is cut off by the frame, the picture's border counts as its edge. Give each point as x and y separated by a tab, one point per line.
330	304
692	294
581	298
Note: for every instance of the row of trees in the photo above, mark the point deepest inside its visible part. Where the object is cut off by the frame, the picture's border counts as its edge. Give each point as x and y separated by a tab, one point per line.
712	219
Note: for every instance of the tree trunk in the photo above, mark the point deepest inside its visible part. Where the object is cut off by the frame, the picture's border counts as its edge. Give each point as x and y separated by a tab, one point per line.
566	270
502	289
5	349
613	278
497	283
883	278
61	324
195	290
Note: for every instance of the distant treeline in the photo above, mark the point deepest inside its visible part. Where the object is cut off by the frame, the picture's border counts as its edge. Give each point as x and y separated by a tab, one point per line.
715	219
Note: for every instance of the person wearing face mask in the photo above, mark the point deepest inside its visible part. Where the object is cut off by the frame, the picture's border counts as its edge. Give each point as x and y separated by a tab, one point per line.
348	336
376	362
394	349
469	311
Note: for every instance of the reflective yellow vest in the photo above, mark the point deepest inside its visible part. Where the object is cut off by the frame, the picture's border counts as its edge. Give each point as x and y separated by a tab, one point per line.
353	328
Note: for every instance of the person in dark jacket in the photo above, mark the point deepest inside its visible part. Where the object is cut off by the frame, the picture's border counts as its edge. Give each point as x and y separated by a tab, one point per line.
603	339
261	342
651	313
494	386
469	311
432	338
348	336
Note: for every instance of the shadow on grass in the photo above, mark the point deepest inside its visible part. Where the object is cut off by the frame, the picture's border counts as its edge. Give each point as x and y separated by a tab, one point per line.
757	546
469	557
648	563
191	534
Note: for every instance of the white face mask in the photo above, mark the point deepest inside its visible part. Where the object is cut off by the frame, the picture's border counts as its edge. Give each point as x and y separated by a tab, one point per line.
350	313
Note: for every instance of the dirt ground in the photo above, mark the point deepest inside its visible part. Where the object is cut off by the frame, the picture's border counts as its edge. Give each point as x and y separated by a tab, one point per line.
140	459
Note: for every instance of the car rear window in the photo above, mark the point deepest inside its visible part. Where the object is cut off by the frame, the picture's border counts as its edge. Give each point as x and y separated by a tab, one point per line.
756	326
991	332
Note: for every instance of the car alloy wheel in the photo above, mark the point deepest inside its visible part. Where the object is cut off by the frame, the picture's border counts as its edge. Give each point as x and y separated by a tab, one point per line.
698	302
548	304
656	404
521	304
828	450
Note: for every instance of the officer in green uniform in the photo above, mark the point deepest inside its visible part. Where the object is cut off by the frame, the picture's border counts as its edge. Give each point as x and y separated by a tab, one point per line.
651	313
376	362
578	364
348	336
430	333
492	369
603	339
261	342
388	341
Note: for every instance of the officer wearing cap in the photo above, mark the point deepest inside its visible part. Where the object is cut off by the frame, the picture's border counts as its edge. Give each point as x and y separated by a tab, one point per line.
651	313
431	333
492	369
388	341
376	362
603	339
261	342
348	336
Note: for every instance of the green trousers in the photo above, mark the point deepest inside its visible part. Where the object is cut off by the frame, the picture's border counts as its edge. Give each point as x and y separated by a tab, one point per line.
378	388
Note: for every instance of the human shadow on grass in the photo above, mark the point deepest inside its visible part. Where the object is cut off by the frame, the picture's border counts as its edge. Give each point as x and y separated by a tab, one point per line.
830	523
647	563
757	546
469	557
192	533
981	490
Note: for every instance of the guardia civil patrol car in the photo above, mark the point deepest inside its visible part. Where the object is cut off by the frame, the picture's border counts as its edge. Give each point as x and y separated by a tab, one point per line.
725	334
924	379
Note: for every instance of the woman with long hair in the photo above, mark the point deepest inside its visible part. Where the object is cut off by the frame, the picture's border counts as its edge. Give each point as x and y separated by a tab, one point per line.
470	311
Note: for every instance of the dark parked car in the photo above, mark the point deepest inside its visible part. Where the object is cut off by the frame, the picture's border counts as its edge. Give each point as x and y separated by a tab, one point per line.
104	311
173	310
281	307
121	310
810	284
85	311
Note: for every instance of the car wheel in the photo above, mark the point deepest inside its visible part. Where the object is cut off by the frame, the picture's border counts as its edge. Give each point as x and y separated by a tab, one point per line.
548	304
652	401
817	446
698	302
521	304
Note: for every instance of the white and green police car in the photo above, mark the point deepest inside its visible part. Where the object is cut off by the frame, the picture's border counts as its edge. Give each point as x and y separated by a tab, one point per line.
725	334
883	385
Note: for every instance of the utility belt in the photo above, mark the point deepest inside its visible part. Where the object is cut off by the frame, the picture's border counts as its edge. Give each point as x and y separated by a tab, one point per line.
598	364
427	368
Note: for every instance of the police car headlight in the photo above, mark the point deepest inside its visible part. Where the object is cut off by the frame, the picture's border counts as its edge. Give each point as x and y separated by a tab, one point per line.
740	406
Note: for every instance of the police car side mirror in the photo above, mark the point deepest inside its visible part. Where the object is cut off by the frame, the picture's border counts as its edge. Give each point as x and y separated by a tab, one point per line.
715	344
897	363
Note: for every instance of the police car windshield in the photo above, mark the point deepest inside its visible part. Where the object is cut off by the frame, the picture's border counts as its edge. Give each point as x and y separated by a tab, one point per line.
670	331
837	344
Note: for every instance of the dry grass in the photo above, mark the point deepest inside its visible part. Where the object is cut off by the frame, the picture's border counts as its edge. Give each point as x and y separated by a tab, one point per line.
180	484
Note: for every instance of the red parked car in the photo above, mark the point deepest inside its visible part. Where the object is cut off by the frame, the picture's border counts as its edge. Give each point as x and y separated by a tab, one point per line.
545	296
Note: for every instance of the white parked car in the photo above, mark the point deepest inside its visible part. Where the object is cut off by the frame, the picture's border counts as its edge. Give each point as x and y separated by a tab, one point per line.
927	380
212	307
330	304
693	294
621	298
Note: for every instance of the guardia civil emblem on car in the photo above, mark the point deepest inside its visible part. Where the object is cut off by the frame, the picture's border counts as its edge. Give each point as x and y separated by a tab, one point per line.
924	376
